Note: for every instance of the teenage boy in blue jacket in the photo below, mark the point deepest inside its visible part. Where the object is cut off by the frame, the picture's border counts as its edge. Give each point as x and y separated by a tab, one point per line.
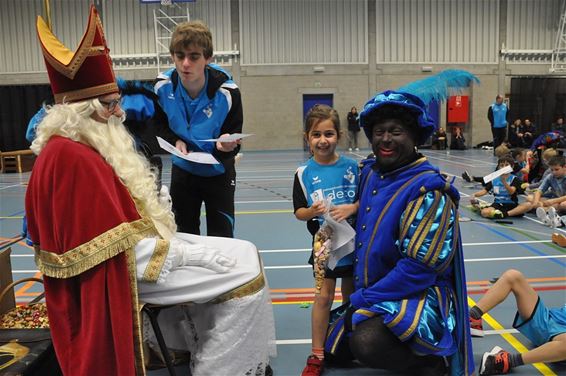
201	102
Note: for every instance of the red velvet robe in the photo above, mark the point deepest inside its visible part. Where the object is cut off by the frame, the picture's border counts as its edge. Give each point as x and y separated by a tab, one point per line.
85	224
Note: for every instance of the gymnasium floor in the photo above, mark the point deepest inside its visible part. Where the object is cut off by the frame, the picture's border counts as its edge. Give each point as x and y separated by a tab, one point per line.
265	217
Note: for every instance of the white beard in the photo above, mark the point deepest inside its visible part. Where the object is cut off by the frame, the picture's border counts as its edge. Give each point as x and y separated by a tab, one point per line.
117	147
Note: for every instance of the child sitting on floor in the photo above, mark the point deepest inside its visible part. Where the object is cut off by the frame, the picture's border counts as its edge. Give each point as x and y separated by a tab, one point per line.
544	327
505	189
499	151
549	209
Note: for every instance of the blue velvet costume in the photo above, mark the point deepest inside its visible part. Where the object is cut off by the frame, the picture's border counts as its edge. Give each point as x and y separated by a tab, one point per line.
409	265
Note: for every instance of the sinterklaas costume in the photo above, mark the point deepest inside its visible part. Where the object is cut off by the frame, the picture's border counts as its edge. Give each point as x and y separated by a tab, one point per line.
101	255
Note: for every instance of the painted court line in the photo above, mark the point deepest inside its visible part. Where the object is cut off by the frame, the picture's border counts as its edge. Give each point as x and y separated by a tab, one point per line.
464	244
11	186
306	341
261	202
467	260
517	345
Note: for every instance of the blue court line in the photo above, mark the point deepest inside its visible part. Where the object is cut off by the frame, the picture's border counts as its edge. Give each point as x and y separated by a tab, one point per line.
526	246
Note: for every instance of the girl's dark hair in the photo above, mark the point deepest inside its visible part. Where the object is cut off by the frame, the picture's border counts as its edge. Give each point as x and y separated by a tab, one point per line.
506	158
321	112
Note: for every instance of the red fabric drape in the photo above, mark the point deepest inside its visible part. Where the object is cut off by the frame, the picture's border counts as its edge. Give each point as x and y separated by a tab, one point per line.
74	197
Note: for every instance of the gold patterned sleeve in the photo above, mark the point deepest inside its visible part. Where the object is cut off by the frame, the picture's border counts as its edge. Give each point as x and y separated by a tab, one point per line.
153	260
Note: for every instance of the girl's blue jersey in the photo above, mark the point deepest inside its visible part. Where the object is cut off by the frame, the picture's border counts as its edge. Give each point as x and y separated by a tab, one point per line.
337	182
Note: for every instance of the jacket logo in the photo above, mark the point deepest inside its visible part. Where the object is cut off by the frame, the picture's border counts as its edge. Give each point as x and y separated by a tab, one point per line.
316	180
208	111
171	96
350	175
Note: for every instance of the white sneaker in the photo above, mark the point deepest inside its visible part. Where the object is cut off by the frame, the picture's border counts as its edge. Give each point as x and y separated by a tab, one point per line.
554	218
357	149
349	149
543	216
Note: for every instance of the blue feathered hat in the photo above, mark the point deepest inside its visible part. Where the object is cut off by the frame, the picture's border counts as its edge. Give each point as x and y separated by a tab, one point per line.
416	96
397	98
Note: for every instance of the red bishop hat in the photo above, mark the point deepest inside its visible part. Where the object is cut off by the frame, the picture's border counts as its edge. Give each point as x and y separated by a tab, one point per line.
83	74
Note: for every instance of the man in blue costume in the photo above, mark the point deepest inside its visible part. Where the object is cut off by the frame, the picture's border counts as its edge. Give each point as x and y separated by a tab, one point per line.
408	313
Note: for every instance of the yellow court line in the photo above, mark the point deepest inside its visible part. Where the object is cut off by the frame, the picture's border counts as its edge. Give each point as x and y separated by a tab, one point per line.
517	345
17	217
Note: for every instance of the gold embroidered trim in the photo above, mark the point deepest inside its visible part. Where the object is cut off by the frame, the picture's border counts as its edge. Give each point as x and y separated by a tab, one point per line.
410	217
410	214
86	256
455	242
89	92
96	51
365	312
155	264
380	218
437	244
136	313
400	315
337	341
423	229
81	53
416	318
246	289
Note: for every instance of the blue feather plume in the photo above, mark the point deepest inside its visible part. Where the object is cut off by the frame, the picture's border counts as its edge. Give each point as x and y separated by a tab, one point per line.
440	86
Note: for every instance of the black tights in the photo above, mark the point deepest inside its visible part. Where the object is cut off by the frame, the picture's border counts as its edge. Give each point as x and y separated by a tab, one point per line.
375	346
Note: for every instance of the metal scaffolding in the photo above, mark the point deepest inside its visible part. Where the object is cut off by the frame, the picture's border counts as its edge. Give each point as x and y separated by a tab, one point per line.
558	60
164	24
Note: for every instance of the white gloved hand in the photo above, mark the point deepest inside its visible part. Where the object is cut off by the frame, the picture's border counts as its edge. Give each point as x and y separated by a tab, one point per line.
163	196
202	255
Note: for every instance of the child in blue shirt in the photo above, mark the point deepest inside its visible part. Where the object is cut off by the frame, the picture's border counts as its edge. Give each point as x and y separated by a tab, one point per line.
549	208
544	327
325	176
505	189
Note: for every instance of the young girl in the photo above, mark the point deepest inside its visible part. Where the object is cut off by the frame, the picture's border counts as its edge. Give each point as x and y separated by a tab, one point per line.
325	176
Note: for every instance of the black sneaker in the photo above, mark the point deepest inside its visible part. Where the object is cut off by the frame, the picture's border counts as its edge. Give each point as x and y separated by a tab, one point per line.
495	362
466	176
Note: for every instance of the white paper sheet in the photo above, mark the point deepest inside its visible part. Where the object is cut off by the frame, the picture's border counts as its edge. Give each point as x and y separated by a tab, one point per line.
194	156
494	175
342	237
230	138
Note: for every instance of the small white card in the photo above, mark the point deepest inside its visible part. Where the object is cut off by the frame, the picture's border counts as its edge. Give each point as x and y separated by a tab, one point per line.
230	138
496	174
193	156
317	195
